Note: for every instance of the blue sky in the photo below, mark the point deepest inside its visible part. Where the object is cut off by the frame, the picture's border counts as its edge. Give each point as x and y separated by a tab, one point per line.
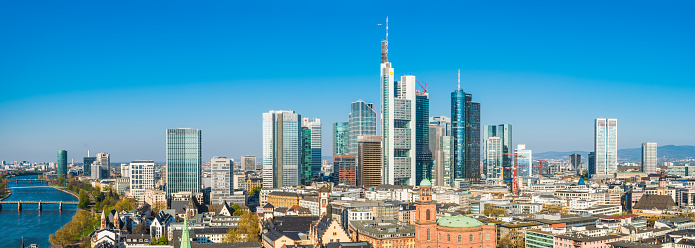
112	76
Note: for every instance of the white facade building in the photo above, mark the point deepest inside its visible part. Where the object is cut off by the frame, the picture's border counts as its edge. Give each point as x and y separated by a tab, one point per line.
220	179
141	179
649	157
281	148
493	160
605	147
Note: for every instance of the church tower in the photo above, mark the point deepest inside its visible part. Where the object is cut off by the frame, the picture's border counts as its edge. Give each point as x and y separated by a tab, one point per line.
103	219
426	217
323	200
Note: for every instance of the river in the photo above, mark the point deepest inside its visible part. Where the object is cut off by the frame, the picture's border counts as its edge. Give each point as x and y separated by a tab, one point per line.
29	223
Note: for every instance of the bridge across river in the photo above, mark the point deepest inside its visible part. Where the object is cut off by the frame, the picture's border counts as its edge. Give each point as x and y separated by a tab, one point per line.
19	204
26	180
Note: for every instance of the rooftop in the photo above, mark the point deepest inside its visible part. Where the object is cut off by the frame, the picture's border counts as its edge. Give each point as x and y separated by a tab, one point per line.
459	221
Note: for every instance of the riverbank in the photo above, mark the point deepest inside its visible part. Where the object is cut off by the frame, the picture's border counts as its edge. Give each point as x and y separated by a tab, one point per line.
8	194
66	191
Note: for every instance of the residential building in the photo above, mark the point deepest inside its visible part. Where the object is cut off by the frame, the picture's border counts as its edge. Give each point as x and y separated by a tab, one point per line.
423	154
362	121
141	178
327	230
369	161
345	170
281	149
62	165
221	184
649	157
248	163
605	147
341	138
398	125
184	150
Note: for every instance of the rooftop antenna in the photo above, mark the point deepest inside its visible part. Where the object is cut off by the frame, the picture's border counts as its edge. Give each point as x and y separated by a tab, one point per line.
459	79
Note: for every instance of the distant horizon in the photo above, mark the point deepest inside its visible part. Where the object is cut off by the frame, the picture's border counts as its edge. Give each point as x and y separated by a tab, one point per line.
112	77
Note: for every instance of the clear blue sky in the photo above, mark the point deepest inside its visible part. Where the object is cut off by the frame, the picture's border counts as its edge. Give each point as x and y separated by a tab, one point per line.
112	76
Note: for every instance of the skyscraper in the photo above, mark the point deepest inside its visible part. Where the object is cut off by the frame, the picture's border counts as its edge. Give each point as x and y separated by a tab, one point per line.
341	138
592	163
444	122
465	128
62	165
448	169
184	150
87	165
423	155
362	121
606	146
504	132
306	155
248	163
493	160
281	148
369	161
440	127
141	179
575	161
649	157
345	170
221	169
315	126
398	128
104	162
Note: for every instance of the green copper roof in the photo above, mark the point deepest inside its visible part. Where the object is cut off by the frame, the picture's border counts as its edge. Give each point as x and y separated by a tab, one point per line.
425	182
459	221
185	239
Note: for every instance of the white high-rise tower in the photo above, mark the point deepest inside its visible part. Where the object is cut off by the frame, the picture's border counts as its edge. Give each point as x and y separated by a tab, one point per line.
649	157
281	148
605	147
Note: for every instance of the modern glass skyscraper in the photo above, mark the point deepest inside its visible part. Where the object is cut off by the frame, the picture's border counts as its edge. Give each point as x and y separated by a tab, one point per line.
306	157
62	165
504	132
104	162
184	150
341	138
649	157
315	126
575	161
440	126
423	155
221	170
362	121
606	146
465	128
281	148
524	161
398	128
87	165
444	122
448	170
493	160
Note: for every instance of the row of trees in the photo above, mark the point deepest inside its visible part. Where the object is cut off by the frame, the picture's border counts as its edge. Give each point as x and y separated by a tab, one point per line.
74	231
3	187
247	229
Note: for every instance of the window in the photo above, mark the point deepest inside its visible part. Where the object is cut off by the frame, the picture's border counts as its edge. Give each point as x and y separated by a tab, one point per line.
428	234
459	238
471	238
448	238
427	214
487	236
439	236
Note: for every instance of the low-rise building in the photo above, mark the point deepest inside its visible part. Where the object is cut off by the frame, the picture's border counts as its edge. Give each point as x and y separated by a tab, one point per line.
383	234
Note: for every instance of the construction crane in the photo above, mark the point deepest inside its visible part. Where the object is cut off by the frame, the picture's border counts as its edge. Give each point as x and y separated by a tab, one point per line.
515	186
539	167
424	88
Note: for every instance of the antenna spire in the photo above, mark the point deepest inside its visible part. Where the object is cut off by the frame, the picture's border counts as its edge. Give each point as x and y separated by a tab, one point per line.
459	79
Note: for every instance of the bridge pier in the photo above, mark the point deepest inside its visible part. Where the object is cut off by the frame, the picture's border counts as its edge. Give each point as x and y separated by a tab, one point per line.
19	206
60	206
40	207
0	207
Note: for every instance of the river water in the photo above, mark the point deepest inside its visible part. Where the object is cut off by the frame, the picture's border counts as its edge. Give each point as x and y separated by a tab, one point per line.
29	223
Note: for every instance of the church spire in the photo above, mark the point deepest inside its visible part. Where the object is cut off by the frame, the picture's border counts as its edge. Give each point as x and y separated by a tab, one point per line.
185	239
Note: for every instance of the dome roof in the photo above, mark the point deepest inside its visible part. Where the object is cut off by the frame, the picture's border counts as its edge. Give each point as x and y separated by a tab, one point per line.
425	182
459	221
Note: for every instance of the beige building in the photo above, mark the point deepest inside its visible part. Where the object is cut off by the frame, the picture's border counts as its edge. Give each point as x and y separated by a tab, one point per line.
248	163
327	230
153	196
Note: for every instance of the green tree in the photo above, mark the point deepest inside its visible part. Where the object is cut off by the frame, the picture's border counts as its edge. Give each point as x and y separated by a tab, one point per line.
163	240
126	204
247	229
255	192
237	210
157	206
140	228
494	211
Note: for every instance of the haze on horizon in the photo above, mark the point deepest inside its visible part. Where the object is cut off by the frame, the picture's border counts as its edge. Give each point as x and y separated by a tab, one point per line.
113	76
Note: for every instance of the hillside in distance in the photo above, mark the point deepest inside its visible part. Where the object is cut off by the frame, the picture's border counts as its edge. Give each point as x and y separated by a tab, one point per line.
664	153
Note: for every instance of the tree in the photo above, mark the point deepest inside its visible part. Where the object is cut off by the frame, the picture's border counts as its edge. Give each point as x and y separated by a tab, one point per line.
513	239
255	192
157	206
492	210
549	208
140	228
84	200
247	229
237	210
163	240
126	204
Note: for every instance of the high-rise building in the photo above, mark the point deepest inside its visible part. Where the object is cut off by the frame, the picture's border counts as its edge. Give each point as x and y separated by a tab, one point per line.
315	126
104	162
221	169
141	178
448	168
465	128
592	163
423	154
125	170
184	160
444	122
248	163
62	165
345	170
440	126
87	165
369	161
306	155
362	121
398	125
493	160
649	157
524	161
341	138
504	132
575	161
606	146
281	148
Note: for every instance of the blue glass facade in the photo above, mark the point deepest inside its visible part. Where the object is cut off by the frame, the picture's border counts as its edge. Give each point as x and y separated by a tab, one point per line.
62	165
458	132
184	149
423	155
341	134
305	171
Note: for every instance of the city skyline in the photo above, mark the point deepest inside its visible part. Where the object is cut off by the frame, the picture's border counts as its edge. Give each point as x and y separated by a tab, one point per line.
127	90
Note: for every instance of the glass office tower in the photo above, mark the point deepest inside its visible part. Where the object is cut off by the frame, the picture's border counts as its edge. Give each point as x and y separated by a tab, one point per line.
281	148
423	154
62	165
184	150
362	121
341	136
606	146
306	157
